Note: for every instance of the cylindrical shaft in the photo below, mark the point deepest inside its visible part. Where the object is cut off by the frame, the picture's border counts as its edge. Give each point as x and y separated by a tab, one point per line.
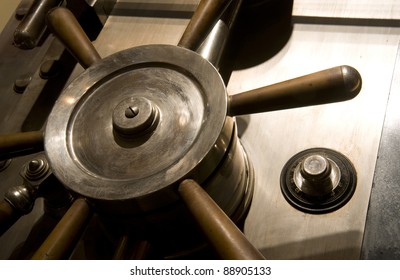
33	25
223	235
203	20
67	232
213	46
65	27
21	143
8	216
332	85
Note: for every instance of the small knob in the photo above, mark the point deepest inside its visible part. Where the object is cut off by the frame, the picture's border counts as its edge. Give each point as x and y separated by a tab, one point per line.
36	169
316	175
21	198
134	116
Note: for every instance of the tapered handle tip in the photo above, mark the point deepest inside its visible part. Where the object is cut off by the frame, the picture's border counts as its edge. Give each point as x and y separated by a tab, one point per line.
352	80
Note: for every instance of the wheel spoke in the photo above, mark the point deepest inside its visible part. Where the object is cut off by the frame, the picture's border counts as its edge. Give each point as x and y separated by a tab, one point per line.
65	27
203	20
223	235
67	232
332	85
21	143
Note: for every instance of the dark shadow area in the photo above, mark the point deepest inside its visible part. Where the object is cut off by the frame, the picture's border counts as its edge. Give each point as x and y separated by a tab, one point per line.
49	94
40	230
157	10
261	31
242	123
371	22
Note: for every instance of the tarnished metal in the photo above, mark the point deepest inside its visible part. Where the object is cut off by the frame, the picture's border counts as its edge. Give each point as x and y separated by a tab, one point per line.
8	216
4	164
21	198
64	25
21	143
191	137
332	85
229	242
64	236
134	117
38	182
318	180
203	20
36	169
22	83
23	8
260	129
33	25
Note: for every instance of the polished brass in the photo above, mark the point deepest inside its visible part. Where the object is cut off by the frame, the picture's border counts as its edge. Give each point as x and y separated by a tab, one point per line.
65	26
203	20
8	216
21	143
64	236
33	25
332	85
223	235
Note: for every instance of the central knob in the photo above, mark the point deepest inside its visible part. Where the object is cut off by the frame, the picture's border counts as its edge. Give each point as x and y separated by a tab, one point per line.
135	116
315	168
316	175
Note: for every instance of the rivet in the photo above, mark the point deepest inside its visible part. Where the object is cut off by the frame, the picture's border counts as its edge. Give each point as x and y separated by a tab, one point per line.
49	69
22	83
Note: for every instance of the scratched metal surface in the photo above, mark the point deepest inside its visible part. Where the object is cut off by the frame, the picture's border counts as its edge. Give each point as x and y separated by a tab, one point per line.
353	128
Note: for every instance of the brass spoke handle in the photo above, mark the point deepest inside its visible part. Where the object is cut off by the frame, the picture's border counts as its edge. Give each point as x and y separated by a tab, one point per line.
227	240
203	20
21	143
67	29
8	216
332	85
66	233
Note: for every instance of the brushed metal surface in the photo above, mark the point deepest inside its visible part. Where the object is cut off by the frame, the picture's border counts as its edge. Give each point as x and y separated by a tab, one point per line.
352	128
388	9
366	9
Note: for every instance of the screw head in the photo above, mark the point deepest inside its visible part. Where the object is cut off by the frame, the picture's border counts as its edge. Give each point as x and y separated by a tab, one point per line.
131	112
34	165
36	169
134	116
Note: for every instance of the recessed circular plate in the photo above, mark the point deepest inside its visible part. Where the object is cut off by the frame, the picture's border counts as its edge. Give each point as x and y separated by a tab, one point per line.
319	200
138	122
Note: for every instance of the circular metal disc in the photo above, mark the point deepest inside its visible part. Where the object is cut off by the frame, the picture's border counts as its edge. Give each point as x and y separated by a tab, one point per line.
89	156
